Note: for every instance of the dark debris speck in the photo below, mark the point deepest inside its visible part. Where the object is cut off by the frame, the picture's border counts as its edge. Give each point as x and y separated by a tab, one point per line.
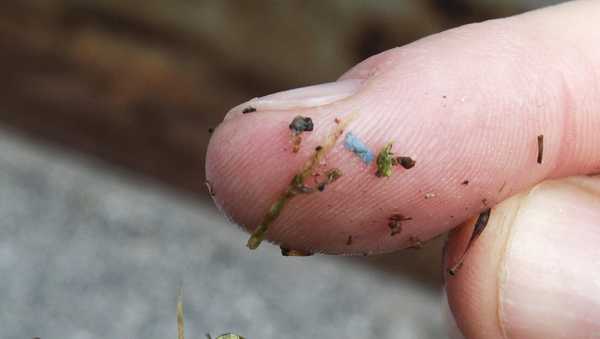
248	109
406	162
301	124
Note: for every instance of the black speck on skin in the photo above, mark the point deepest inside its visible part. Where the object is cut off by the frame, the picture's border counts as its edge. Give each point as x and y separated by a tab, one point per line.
248	109
301	124
211	130
318	148
466	182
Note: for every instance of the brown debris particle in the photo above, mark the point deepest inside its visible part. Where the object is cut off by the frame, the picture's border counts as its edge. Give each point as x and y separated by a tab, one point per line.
479	227
484	201
318	148
466	182
330	177
286	252
349	241
395	223
248	109
337	120
429	195
415	243
406	162
211	130
540	142
210	189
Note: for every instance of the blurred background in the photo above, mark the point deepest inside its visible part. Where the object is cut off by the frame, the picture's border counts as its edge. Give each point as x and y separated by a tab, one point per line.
105	107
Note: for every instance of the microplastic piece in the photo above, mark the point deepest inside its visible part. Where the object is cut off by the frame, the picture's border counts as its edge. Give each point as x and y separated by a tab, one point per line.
356	146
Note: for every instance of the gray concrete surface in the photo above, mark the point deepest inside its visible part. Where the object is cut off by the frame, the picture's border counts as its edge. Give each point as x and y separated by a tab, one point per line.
87	251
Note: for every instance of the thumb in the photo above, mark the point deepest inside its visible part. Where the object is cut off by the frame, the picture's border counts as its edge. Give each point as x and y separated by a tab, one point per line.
535	272
467	104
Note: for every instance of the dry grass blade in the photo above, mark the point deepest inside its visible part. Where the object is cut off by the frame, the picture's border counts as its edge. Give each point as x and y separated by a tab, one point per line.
180	324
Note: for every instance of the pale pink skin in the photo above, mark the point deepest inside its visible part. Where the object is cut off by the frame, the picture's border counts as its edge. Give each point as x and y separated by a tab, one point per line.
466	104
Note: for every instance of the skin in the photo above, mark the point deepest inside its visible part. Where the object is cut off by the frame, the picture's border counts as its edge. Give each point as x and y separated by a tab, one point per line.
466	104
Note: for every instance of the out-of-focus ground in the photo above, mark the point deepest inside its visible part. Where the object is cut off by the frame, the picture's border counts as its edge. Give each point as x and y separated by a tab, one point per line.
104	113
90	252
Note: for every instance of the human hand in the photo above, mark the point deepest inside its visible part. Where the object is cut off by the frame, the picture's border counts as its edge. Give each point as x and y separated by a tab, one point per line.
468	105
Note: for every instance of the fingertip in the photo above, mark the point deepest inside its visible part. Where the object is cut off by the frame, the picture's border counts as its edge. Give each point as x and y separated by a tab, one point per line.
532	272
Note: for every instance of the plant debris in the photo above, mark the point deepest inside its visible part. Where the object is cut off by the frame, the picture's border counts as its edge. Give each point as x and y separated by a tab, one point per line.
466	182
297	184
406	162
356	146
330	177
384	161
286	252
540	143
480	225
210	188
180	324
395	223
248	109
298	126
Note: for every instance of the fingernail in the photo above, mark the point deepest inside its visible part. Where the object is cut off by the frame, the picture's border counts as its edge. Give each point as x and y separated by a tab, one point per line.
304	97
550	275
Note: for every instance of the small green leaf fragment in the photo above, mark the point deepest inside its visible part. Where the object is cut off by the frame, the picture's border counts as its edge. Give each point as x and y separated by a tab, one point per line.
385	161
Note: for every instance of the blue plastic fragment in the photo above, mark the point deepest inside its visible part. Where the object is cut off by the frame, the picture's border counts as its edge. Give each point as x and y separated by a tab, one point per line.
355	145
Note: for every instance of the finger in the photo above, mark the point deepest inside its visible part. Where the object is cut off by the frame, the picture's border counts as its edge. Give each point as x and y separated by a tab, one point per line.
467	105
535	272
